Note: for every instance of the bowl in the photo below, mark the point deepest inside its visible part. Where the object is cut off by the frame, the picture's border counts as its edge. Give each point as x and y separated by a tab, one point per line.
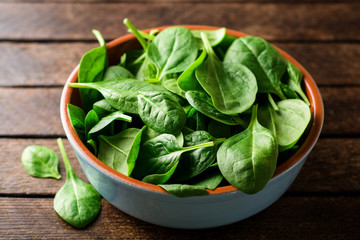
151	203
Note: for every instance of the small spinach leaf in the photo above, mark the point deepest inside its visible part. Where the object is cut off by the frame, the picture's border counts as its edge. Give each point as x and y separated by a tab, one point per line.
121	151
248	159
295	79
91	120
184	190
77	202
40	161
105	121
161	113
102	108
172	86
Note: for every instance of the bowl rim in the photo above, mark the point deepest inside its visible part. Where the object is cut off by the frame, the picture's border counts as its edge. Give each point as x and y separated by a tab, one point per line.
312	92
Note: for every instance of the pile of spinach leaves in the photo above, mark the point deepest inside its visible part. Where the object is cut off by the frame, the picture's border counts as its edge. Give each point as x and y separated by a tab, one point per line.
191	110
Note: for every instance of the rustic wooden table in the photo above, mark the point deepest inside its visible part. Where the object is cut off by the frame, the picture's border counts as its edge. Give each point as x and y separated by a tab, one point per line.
41	41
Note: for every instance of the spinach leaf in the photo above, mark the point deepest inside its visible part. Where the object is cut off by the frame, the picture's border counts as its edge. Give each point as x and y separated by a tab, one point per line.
40	161
159	157
172	86
248	160
77	202
105	121
184	190
295	79
161	113
173	50
91	120
122	94
120	151
202	102
149	133
77	119
262	59
117	72
210	179
102	108
291	121
187	80
232	87
214	36
91	69
195	162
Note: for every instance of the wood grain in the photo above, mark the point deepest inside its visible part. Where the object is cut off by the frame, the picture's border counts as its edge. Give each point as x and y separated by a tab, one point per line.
319	218
35	111
320	22
332	167
49	64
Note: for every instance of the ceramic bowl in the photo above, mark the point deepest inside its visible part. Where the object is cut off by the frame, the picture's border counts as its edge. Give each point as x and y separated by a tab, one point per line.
151	203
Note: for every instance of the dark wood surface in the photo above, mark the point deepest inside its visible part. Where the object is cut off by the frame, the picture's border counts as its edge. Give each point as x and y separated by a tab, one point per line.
42	41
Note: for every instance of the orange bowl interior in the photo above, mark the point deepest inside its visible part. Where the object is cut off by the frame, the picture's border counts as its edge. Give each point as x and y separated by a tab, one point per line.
120	45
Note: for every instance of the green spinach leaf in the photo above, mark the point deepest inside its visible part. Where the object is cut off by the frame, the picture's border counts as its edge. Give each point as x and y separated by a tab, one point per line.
121	151
202	102
77	119
248	159
102	108
159	157
173	50
214	36
161	113
91	69
40	161
262	59
232	87
295	79
105	121
117	72
187	80
77	202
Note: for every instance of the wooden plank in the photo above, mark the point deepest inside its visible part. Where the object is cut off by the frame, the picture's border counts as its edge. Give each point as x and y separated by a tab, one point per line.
332	167
35	111
48	64
323	22
305	216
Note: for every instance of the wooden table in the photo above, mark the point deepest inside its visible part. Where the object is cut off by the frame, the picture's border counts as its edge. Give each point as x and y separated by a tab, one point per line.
42	41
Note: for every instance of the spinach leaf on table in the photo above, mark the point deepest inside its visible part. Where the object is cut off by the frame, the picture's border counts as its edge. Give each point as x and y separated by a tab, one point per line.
248	159
232	87
173	50
40	161
262	59
159	157
77	202
161	113
91	69
120	151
